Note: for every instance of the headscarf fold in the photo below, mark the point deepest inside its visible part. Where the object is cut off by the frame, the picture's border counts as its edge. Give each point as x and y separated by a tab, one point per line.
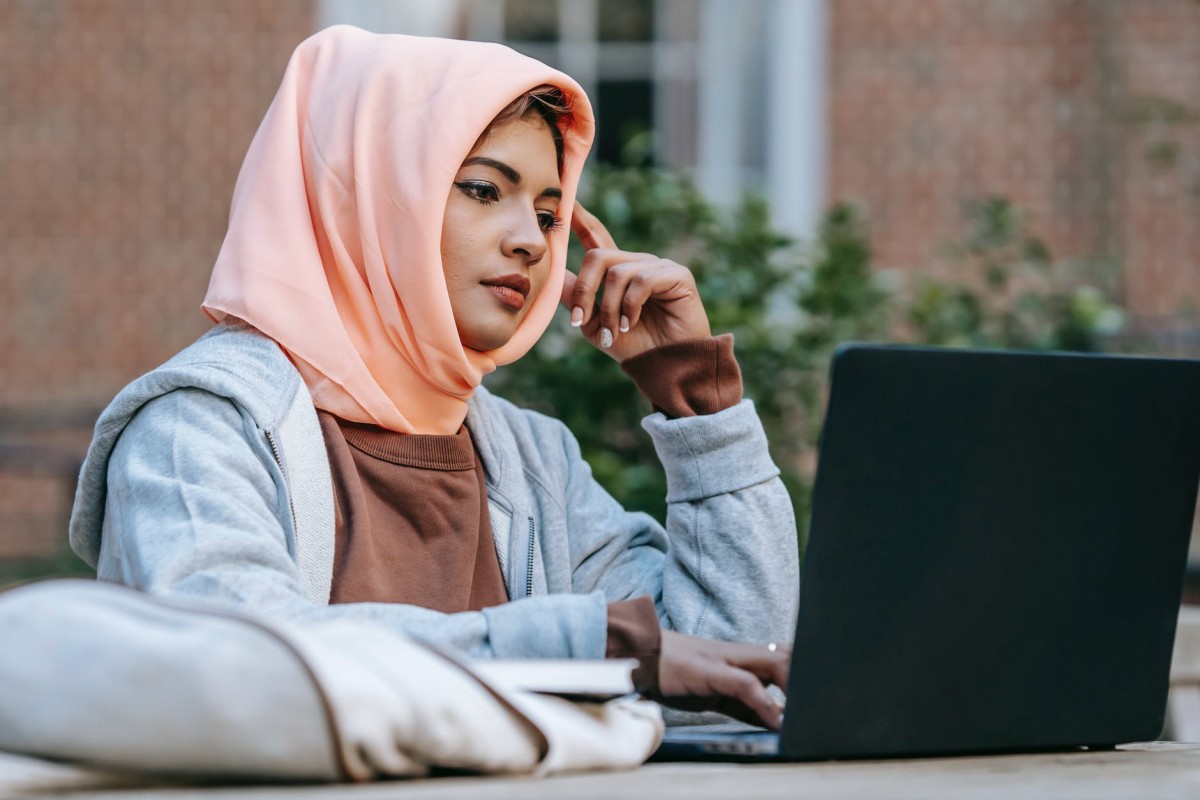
334	241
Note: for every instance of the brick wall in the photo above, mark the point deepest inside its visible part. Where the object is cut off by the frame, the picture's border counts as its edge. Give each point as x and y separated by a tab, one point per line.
1159	55
123	123
122	126
1084	112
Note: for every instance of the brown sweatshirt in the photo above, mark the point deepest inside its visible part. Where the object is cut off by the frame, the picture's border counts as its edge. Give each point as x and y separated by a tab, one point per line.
411	514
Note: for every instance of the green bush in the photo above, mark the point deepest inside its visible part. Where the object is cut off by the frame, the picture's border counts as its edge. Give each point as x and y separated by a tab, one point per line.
787	308
1015	296
789	305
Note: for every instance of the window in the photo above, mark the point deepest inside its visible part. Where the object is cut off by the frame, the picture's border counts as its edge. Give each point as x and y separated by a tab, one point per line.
628	115
531	21
626	21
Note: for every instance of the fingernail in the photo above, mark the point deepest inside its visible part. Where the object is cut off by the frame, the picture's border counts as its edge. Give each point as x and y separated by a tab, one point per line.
624	324
606	338
576	317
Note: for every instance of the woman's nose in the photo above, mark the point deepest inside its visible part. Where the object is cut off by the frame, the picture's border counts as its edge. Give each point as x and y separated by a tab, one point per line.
525	240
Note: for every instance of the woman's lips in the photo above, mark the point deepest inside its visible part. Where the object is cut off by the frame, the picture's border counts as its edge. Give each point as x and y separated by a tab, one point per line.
511	290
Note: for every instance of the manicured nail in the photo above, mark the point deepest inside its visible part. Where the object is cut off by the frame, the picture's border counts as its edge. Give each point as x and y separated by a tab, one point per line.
606	338
624	324
576	317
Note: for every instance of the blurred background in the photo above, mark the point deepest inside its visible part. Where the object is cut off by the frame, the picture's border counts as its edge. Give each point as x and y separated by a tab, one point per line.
997	173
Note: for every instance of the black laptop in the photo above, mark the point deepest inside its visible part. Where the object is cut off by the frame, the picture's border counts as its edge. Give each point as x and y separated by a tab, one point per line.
995	557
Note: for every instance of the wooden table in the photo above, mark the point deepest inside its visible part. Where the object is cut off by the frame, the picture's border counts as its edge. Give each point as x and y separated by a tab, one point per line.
1158	770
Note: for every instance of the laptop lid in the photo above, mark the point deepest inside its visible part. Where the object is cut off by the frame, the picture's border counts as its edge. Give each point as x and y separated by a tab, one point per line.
996	552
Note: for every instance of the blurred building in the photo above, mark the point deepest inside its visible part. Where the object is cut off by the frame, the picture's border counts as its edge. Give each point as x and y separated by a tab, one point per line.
123	123
732	91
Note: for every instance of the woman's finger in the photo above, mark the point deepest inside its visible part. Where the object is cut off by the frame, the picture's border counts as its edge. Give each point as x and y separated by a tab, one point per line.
592	272
591	330
568	289
661	279
590	229
770	666
615	307
743	688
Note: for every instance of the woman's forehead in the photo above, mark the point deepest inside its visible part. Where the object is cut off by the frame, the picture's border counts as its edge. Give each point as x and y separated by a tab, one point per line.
526	145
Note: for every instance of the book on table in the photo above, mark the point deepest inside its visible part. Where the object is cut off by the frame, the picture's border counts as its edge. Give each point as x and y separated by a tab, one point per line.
584	680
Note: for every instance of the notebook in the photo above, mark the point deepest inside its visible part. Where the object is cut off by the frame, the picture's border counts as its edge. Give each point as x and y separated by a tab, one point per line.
581	680
995	557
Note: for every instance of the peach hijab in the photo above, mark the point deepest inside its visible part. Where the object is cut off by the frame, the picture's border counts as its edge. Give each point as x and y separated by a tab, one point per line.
334	241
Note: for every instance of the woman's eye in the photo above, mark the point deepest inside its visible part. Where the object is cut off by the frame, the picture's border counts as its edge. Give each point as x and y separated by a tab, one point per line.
485	193
547	221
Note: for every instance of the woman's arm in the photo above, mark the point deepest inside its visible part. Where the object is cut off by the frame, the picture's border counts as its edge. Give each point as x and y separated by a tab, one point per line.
730	570
196	506
728	573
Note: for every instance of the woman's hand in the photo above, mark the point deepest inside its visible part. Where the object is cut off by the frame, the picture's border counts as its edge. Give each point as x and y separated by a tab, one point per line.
644	301
696	674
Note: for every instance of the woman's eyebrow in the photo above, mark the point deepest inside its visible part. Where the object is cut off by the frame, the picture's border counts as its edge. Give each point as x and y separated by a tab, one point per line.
504	169
513	176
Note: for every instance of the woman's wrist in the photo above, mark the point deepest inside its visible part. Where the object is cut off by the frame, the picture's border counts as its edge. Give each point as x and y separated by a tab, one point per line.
633	632
688	378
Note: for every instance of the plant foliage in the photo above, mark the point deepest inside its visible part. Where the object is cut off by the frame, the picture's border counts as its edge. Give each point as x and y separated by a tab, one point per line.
789	305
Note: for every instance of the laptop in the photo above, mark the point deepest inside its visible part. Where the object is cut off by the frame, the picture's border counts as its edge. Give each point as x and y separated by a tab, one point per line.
995	557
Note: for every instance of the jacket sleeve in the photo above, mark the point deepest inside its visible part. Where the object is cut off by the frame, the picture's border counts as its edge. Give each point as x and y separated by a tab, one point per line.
727	565
196	506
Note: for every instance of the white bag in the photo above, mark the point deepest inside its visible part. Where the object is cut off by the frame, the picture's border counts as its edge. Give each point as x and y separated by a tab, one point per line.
99	674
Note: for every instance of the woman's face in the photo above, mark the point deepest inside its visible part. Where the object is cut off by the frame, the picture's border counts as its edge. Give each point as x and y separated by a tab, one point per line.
495	236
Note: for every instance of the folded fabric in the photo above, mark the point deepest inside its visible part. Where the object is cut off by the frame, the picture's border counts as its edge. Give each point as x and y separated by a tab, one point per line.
99	674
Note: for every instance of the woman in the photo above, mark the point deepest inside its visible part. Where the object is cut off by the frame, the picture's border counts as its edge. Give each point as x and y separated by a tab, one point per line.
399	229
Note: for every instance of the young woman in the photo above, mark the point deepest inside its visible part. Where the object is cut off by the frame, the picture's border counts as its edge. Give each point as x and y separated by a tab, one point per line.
399	229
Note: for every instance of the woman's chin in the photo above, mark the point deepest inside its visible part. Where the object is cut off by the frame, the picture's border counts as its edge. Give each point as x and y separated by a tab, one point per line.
484	341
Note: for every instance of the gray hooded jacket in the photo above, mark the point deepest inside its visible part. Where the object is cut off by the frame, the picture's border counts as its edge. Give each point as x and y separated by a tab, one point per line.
208	477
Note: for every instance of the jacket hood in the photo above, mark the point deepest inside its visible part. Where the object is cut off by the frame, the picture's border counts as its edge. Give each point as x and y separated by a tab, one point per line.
232	360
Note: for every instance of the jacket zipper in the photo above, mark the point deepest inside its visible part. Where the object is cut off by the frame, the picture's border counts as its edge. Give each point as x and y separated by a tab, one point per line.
279	462
529	561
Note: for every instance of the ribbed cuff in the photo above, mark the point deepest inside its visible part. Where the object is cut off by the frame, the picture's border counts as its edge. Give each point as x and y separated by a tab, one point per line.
689	378
633	632
711	455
